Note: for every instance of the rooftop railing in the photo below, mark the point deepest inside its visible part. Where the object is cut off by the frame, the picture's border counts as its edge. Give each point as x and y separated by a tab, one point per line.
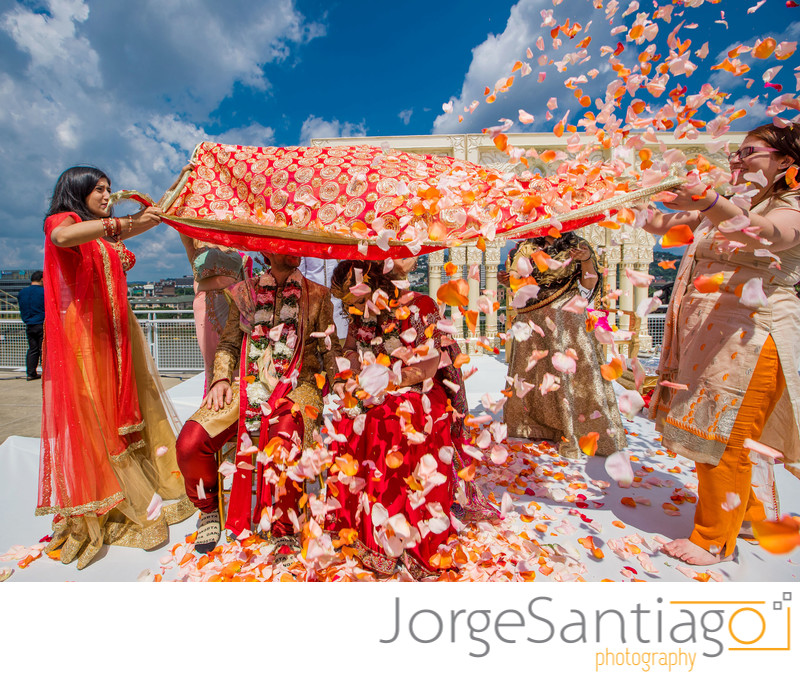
170	334
172	339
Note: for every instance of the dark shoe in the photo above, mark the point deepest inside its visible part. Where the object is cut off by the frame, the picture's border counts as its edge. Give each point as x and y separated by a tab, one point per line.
286	548
34	377
209	529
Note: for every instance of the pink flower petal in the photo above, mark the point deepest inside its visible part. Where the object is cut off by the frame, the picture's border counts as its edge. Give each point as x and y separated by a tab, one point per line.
154	509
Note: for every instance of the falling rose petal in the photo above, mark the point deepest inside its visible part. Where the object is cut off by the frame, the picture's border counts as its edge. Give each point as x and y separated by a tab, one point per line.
498	454
638	373
630	403
732	501
648	306
524	117
374	379
576	305
762	449
409	335
639	279
454	293
753	295
154	509
161	451
446	454
524	294
564	363
201	492
778	537
678	236
550	383
506	504
524	267
618	467
588	443
613	369
708	284
673	385
227	469
394	459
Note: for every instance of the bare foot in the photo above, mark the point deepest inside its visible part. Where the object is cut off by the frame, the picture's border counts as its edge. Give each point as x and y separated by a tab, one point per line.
691	553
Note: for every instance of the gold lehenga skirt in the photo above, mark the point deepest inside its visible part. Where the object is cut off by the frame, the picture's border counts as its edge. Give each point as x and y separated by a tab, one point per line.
584	403
141	473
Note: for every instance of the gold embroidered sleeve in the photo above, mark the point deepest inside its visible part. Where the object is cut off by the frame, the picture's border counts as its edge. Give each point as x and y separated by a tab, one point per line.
229	347
329	356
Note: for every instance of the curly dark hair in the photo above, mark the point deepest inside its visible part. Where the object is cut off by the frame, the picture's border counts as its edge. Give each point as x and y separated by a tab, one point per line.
786	141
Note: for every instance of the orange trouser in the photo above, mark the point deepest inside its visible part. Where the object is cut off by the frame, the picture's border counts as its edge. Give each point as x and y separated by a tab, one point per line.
716	529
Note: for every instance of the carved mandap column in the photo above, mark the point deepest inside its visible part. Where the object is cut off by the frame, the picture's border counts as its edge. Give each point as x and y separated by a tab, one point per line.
458	256
492	258
474	256
435	265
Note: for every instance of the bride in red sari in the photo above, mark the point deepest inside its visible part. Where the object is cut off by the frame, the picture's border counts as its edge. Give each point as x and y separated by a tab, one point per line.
108	431
393	442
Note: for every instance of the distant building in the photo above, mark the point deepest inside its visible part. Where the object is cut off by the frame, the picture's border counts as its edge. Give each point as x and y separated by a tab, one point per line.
161	302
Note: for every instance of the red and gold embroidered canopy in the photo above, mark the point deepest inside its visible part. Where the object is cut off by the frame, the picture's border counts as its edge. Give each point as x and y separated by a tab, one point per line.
369	203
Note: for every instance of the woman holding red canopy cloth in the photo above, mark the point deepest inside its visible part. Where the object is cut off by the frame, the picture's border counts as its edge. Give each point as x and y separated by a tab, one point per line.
108	430
393	443
278	338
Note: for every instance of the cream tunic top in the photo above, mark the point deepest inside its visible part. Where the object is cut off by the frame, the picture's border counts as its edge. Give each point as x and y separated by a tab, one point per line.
712	343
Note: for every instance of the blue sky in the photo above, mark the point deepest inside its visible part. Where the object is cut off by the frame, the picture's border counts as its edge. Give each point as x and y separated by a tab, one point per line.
132	86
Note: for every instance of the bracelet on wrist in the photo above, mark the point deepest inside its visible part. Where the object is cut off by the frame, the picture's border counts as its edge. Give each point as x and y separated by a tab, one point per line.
112	227
713	203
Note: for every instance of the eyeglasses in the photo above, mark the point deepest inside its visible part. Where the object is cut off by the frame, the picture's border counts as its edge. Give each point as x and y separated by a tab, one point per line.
746	152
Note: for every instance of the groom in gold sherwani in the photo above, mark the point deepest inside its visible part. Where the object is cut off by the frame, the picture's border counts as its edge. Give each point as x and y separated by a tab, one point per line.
280	341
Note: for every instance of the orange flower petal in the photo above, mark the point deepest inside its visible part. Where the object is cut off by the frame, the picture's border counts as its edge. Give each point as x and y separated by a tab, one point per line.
588	443
394	459
454	293
680	235
778	537
709	284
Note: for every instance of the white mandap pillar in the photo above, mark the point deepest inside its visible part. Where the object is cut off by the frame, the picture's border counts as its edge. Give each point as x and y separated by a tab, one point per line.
492	258
435	265
639	296
474	257
458	256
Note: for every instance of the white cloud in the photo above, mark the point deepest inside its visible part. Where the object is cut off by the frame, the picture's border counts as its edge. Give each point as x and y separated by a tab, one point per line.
131	89
495	56
319	128
405	116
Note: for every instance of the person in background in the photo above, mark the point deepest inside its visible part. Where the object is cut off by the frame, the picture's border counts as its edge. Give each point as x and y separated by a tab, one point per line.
580	401
31	311
320	271
214	268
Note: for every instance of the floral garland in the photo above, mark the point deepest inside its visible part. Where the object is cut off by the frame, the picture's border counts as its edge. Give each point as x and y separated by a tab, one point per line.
272	342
